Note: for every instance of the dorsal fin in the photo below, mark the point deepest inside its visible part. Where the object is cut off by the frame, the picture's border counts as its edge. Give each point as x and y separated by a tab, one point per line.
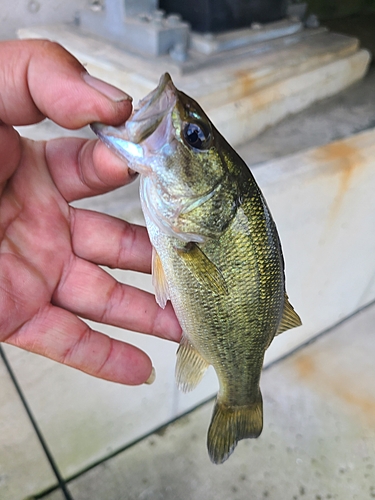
290	318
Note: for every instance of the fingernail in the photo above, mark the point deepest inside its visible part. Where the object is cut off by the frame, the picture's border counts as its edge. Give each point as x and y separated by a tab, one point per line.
151	378
106	89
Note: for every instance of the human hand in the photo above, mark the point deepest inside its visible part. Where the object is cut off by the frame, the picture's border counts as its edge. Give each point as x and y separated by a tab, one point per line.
50	252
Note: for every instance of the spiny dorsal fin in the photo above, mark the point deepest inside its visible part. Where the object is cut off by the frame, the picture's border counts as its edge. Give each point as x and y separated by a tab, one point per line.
159	281
290	318
190	366
202	268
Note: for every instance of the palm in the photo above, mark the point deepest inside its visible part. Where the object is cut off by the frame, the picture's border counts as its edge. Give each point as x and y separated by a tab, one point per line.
50	255
35	246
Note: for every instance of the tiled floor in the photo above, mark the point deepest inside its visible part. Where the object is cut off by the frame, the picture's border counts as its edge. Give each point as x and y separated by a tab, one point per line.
318	440
24	469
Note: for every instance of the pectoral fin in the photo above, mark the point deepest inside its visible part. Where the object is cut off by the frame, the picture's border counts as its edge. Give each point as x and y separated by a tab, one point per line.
202	268
290	318
159	281
190	366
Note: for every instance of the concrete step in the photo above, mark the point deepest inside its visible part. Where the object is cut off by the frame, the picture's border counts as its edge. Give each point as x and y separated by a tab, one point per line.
243	96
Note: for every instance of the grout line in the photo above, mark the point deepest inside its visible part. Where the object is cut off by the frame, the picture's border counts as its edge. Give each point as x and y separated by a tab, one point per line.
211	398
44	493
37	430
138	440
63	484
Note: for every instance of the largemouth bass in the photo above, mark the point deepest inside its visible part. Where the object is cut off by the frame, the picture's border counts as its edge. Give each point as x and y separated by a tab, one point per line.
217	254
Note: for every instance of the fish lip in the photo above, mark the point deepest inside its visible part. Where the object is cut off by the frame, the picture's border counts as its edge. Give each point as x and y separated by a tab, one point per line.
152	110
115	139
126	141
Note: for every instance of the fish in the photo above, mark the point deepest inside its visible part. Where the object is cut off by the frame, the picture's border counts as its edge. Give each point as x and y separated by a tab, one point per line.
216	254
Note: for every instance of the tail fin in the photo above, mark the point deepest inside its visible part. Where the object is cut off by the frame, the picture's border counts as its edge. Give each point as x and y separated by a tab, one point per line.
229	425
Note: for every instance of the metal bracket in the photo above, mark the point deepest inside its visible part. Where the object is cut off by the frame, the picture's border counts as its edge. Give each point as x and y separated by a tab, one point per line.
138	26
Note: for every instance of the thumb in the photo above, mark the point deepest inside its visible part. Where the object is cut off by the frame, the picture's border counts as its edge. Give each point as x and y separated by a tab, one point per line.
41	79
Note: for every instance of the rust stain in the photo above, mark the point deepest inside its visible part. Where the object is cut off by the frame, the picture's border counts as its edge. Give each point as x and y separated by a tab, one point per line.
305	366
346	160
365	404
246	82
243	85
264	98
335	382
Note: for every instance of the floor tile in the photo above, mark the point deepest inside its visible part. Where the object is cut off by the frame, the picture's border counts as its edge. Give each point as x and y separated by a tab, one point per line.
318	440
83	418
24	469
55	495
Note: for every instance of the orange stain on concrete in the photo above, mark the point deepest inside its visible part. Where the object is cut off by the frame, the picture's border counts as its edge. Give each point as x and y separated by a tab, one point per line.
305	366
246	83
345	159
365	404
331	382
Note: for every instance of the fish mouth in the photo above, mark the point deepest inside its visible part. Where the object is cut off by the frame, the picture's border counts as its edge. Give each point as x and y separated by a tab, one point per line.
132	140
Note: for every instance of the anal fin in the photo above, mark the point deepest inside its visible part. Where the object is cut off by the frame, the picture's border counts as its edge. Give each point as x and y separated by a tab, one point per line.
290	318
190	366
230	424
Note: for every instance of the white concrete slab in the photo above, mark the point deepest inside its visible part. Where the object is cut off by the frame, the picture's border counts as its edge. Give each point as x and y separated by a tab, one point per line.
340	116
322	202
242	96
318	440
265	107
24	469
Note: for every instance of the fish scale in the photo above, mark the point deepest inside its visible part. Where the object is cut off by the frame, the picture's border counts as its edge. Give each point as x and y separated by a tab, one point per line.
217	254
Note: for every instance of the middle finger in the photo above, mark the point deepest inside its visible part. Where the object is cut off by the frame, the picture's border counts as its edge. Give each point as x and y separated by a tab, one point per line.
109	241
88	291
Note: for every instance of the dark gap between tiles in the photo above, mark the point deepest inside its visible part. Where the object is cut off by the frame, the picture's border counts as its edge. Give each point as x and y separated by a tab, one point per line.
162	427
37	430
47	492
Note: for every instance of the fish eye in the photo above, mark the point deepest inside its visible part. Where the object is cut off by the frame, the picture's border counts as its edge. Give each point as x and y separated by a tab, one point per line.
195	136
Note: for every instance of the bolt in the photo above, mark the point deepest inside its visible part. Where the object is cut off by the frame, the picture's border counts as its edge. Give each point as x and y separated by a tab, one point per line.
174	19
312	21
144	18
33	6
96	5
158	16
179	52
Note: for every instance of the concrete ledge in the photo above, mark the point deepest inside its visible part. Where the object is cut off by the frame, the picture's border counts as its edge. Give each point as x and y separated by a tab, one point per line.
243	96
269	105
323	204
